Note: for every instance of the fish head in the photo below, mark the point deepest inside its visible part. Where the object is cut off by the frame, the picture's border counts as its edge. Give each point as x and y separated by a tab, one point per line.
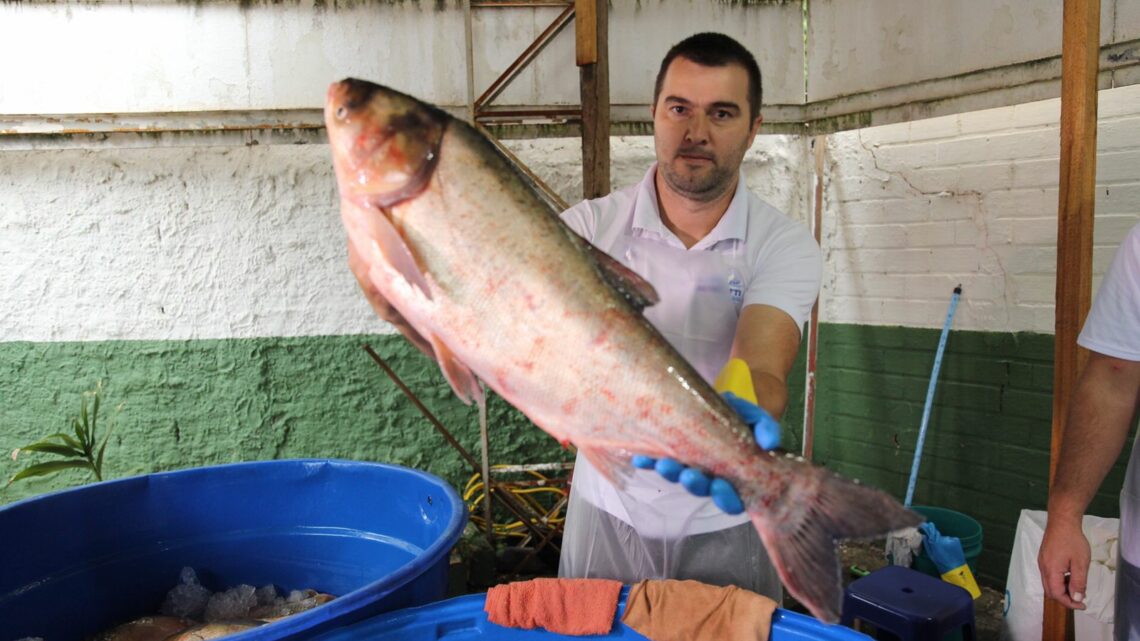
385	144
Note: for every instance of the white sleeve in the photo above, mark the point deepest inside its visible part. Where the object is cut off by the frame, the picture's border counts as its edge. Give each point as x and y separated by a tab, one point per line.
788	275
582	219
1113	324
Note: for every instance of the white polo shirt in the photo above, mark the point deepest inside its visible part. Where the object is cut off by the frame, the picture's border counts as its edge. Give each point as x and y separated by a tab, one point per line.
1113	328
756	255
781	262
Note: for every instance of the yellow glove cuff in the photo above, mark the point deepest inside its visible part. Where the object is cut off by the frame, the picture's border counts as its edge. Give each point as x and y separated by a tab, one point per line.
962	577
736	378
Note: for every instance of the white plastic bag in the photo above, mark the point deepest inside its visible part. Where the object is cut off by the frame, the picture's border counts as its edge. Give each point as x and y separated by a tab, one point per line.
1024	595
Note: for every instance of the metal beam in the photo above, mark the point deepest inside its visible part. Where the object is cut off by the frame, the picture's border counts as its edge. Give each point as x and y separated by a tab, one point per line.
525	57
549	195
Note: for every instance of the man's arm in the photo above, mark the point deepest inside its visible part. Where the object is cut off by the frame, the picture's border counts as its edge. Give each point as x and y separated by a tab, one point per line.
767	339
1099	419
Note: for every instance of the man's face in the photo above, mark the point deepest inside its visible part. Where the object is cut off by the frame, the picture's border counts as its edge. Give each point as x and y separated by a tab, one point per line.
701	128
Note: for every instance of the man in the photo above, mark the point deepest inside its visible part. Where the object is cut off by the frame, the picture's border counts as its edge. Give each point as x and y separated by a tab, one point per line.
1103	406
736	278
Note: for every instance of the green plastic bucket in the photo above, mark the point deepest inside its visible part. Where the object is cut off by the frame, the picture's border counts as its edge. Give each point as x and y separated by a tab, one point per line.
951	523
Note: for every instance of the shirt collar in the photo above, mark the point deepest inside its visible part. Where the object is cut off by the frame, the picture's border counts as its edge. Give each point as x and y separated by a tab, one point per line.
733	225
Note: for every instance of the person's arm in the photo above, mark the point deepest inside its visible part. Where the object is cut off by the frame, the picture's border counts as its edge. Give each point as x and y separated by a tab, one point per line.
768	340
1099	419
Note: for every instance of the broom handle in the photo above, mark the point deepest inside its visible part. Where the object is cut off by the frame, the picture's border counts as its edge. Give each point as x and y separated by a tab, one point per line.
930	396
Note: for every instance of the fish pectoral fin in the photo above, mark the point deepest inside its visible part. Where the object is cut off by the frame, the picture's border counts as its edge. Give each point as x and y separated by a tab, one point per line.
462	380
398	253
636	289
381	305
614	467
390	242
802	536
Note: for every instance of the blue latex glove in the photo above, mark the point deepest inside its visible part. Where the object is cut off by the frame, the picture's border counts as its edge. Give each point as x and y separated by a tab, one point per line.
945	551
764	428
947	555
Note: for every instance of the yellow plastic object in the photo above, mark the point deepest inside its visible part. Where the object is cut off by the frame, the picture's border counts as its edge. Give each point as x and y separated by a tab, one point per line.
962	577
735	377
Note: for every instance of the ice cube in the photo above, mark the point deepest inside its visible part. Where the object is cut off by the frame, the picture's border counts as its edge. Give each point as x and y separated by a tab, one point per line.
234	603
187	599
266	595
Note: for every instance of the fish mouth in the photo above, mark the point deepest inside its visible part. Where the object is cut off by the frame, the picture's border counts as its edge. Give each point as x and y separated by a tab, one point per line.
387	143
350	95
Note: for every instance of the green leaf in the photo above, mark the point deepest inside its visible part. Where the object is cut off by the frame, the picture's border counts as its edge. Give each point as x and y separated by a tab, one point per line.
103	448
52	448
43	469
95	414
99	461
85	439
66	439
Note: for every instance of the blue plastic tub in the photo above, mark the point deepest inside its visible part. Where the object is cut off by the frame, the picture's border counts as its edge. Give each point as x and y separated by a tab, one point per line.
376	536
463	619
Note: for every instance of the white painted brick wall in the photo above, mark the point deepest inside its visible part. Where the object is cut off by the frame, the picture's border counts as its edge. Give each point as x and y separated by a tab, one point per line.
200	242
230	242
912	209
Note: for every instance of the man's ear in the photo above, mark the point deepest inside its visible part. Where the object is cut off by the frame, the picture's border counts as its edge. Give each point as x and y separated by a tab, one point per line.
755	129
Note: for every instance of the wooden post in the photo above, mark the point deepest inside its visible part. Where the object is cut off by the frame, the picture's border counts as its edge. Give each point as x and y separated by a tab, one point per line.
592	28
468	40
1080	52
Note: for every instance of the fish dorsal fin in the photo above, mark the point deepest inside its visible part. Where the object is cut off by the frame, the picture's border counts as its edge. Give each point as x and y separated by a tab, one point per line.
636	289
458	375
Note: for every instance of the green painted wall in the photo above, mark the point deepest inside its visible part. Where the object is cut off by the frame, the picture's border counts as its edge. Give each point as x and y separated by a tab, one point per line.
192	403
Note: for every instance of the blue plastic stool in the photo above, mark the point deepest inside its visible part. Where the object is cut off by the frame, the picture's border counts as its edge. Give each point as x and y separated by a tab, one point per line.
910	605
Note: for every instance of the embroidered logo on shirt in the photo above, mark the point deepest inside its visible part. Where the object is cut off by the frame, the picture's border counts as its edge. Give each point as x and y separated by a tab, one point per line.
736	288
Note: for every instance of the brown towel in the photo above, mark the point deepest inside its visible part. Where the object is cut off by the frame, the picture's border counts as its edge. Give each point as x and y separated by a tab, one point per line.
563	606
694	611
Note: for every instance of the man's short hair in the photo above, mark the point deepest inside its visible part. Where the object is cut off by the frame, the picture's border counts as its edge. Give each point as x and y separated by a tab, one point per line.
715	50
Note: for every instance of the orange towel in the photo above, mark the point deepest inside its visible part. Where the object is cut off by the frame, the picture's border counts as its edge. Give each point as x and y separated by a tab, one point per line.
562	606
694	611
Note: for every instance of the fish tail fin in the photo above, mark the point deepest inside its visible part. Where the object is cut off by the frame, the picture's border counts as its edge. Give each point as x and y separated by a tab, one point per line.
801	534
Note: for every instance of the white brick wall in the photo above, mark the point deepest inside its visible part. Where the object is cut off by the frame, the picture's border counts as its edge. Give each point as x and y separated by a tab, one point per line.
913	209
230	242
218	242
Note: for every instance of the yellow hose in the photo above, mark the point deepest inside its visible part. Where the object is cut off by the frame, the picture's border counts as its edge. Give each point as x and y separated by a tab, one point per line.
474	494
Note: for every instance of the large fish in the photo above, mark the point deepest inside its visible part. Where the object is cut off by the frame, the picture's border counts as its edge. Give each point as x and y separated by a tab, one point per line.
451	245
